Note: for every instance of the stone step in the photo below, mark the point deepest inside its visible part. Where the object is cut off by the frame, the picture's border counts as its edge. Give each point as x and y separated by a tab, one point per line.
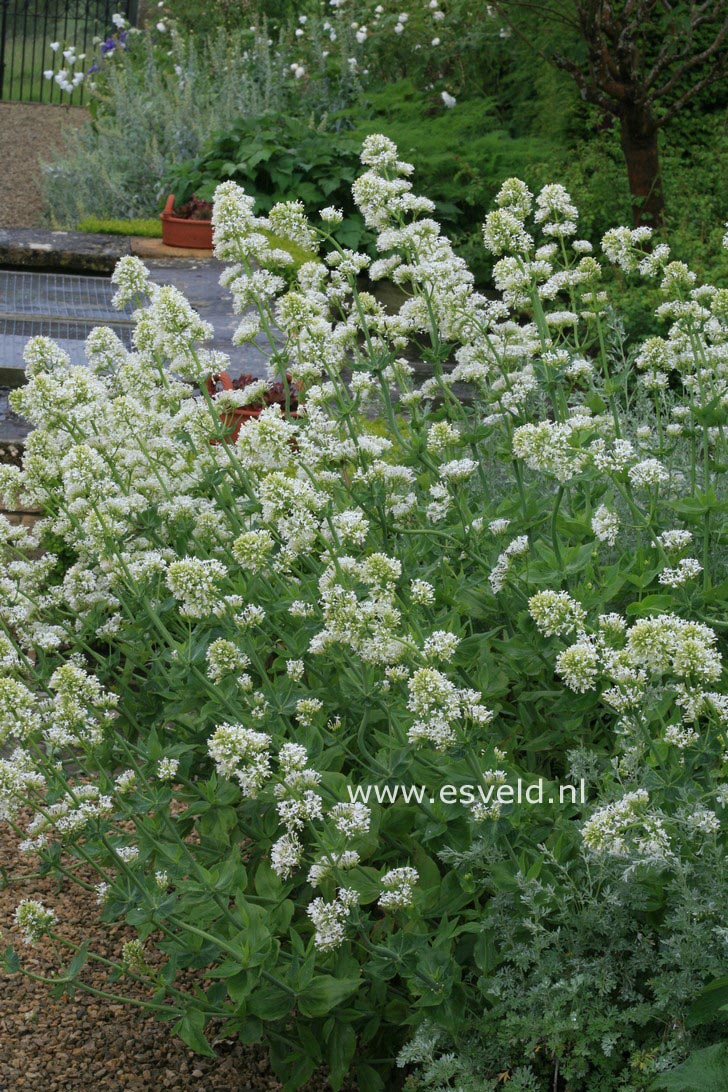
70	251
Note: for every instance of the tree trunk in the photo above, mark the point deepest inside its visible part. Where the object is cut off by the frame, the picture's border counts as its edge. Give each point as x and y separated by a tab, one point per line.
638	137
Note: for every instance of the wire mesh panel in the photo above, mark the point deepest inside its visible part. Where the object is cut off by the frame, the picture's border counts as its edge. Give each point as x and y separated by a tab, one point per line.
57	305
27	28
60	295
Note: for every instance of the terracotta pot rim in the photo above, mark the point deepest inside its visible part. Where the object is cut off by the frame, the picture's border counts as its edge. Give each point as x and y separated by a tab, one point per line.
234	419
227	385
168	215
242	411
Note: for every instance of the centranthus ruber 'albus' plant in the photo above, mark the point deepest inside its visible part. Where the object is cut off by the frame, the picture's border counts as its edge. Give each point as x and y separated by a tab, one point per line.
489	547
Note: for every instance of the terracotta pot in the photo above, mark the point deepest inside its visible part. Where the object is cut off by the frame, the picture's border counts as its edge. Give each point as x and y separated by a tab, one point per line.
177	231
234	419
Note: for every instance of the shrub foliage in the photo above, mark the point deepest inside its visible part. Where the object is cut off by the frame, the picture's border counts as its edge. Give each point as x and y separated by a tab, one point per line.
489	550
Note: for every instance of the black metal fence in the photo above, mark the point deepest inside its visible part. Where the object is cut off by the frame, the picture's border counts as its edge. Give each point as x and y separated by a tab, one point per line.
27	28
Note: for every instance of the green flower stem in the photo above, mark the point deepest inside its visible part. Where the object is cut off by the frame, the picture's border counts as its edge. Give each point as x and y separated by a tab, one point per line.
117	998
147	983
603	356
554	531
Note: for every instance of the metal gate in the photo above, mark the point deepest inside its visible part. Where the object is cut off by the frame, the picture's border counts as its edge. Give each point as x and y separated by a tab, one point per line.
27	28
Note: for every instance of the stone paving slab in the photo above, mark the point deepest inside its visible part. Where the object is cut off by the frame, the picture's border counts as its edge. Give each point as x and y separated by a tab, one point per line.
70	251
83	251
199	281
145	248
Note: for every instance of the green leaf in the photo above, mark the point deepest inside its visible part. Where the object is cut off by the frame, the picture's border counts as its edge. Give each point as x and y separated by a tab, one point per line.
430	878
191	1031
328	185
704	1071
239	987
79	960
297	1073
230	875
261	155
267	882
308	192
254	941
651	604
217	824
11	960
694	508
226	969
342	1045
367	1078
709	1003
485	954
270	1002
325	993
366	882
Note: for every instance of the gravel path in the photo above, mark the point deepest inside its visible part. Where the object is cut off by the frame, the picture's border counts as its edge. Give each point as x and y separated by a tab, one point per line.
27	130
89	1044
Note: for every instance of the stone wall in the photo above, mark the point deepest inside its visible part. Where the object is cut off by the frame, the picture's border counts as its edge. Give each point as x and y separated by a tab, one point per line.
25	517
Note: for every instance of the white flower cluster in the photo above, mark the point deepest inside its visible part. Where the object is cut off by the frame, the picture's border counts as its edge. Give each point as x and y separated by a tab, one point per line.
553	448
329	918
661	650
241	753
19	778
628	828
325	866
675	540
71	73
440	708
80	807
398	886
440	645
579	666
351	819
605	525
313	553
35	920
556	613
688	568
195	581
624	246
422	592
367	623
167	768
517	548
81	709
648	474
224	658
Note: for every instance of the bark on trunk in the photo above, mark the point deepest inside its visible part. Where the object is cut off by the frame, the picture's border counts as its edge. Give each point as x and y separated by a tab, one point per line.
638	137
